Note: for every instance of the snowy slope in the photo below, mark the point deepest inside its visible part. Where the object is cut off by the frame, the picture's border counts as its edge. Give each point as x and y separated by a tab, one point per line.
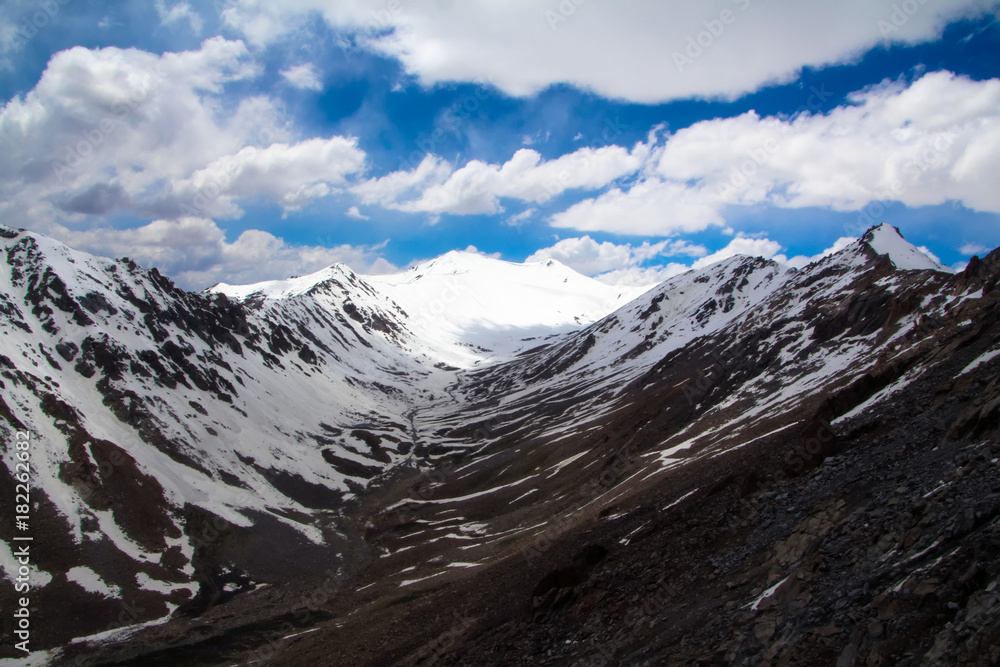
585	370
694	324
486	307
150	406
886	240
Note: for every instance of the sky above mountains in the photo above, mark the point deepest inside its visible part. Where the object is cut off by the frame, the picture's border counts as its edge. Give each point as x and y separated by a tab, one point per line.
240	140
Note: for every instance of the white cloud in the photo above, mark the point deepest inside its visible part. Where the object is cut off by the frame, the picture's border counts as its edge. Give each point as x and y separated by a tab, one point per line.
353	212
973	249
741	245
519	219
589	257
263	22
761	246
924	249
620	264
389	189
303	76
477	187
644	51
492	255
800	261
195	252
292	175
651	207
641	277
126	131
177	12
934	141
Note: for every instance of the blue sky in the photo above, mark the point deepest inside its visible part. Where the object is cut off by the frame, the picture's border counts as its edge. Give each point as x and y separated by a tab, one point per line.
239	140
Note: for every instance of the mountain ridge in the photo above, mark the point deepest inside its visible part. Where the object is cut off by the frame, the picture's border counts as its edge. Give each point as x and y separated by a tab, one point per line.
381	440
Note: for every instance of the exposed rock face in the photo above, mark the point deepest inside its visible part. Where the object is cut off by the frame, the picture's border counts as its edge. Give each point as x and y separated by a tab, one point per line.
747	465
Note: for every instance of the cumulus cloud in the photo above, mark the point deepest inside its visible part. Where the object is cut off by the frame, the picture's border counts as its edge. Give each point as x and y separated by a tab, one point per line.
125	131
927	251
973	249
644	51
590	258
476	251
355	213
388	190
935	140
620	264
761	246
262	22
643	276
292	175
519	219
800	261
303	76
741	245
651	207
178	12
477	187
195	252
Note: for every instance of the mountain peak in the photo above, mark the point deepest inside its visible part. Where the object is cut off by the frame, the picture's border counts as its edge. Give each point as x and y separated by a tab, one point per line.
885	239
495	305
456	261
287	287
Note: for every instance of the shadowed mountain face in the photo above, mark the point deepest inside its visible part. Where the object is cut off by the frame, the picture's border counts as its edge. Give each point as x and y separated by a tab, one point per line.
748	464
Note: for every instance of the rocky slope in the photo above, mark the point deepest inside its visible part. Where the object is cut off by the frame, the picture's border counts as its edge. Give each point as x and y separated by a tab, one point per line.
746	465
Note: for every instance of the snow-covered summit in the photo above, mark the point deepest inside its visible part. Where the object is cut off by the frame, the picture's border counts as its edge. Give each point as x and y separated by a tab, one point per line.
288	287
491	305
886	239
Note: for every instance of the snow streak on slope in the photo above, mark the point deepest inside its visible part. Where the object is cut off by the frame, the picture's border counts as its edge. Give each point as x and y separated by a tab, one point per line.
745	352
587	369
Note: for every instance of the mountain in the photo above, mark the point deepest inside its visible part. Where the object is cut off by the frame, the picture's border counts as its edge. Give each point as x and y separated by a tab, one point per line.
749	463
886	240
493	309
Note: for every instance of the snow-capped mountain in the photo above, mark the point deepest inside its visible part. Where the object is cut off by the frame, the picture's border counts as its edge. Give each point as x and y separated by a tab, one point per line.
491	309
153	408
886	240
405	443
